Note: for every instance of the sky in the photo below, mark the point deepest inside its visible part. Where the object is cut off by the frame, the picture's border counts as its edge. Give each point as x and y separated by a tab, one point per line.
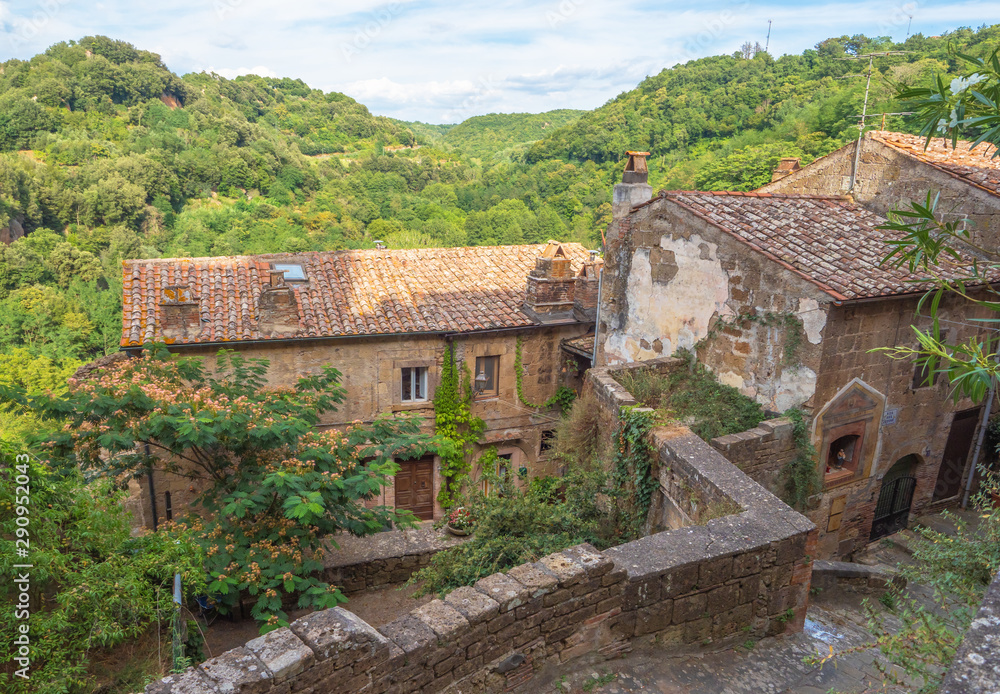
442	62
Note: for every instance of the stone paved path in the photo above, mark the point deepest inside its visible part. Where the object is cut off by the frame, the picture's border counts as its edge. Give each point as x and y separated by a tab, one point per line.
772	666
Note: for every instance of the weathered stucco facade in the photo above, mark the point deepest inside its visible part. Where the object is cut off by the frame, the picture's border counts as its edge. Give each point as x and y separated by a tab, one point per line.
783	298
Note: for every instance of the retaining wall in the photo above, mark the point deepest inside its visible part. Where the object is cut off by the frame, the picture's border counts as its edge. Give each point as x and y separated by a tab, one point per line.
743	575
761	452
977	664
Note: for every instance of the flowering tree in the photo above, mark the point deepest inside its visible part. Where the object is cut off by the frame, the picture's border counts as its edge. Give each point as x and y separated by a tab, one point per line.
275	487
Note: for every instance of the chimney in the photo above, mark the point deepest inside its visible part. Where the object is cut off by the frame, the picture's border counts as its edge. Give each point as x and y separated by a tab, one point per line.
277	308
551	284
634	188
180	314
787	166
586	288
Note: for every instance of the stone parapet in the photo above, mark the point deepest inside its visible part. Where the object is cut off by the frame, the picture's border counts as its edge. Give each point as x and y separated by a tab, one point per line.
976	667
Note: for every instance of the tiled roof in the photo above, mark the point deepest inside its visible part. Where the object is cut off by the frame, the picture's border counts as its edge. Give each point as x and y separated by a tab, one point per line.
365	292
829	241
976	166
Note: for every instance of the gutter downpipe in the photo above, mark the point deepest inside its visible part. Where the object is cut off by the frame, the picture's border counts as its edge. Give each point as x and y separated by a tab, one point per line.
979	444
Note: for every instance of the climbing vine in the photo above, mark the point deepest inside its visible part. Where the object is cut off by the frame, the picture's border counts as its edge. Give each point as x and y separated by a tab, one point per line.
801	475
632	472
455	426
792	324
563	397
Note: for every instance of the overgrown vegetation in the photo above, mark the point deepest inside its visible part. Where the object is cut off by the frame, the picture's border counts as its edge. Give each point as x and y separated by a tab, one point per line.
272	489
602	499
563	397
695	398
457	429
94	587
800	477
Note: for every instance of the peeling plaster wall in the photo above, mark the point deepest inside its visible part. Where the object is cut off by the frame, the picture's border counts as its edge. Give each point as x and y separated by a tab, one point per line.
674	281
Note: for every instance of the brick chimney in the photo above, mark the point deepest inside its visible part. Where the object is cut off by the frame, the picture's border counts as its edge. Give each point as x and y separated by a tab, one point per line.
585	291
277	308
551	286
787	166
634	188
180	313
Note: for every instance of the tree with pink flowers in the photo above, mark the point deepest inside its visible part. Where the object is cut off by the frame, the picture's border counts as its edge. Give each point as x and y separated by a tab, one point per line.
276	487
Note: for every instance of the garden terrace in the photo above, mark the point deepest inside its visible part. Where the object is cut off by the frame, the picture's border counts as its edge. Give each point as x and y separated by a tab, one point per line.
745	574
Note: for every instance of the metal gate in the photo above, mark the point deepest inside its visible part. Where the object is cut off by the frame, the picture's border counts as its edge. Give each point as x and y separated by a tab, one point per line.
893	509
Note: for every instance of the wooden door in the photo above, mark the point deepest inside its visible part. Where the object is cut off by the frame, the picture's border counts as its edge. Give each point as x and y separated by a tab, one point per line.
414	486
956	453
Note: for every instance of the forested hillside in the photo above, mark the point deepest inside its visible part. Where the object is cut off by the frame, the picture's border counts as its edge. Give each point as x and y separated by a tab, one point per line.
107	155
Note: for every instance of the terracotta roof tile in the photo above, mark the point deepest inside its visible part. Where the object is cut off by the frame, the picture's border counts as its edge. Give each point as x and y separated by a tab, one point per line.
830	241
367	292
975	166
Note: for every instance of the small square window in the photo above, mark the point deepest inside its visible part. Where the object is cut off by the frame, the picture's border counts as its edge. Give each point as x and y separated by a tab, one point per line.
413	384
502	471
294	272
487	376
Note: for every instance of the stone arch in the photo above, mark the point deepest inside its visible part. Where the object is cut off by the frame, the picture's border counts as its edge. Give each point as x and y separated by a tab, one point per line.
895	497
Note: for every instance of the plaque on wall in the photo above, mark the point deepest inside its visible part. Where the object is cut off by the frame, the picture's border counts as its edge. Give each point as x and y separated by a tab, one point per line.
890	417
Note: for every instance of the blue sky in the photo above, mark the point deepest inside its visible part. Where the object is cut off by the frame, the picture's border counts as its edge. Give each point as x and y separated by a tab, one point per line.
442	62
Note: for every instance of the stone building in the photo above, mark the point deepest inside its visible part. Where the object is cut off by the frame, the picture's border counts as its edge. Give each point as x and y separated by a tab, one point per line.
384	318
783	297
895	168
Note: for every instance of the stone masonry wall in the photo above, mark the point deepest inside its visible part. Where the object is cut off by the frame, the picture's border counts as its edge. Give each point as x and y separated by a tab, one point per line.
976	667
745	574
761	452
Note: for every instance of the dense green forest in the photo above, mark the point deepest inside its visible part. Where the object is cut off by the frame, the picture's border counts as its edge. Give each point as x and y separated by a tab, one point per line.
107	155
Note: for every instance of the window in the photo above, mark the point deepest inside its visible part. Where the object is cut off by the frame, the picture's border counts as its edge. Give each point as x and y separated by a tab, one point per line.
487	376
548	440
294	272
414	384
923	377
503	472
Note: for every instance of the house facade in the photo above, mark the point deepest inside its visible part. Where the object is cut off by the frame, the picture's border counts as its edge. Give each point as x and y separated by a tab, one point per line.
895	168
385	319
784	298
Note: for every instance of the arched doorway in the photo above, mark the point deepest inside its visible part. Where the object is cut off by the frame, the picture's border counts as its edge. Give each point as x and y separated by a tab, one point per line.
892	512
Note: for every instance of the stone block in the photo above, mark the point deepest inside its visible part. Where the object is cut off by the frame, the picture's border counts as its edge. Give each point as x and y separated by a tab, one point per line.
641	593
443	619
507	592
284	653
723	598
690	608
474	605
697	631
191	681
593	561
654	618
679	581
565	569
238	671
715	571
412	635
535	577
337	633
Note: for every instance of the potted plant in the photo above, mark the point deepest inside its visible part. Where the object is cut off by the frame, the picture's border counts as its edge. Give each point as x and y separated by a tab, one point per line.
460	522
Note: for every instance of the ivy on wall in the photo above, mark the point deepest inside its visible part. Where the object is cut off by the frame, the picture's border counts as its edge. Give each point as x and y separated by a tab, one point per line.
562	398
801	474
455	426
632	471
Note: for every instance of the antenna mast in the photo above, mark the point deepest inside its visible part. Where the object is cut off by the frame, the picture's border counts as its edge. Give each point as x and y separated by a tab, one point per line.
864	110
767	41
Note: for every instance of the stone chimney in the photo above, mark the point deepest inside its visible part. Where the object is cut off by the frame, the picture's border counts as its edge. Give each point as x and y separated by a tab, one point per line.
180	314
585	291
634	188
551	285
787	166
277	308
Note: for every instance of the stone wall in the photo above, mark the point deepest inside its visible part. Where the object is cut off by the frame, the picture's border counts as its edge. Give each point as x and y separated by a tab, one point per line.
743	575
761	452
976	667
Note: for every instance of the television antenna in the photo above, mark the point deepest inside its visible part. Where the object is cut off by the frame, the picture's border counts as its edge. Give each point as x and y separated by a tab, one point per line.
864	109
767	41
908	25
